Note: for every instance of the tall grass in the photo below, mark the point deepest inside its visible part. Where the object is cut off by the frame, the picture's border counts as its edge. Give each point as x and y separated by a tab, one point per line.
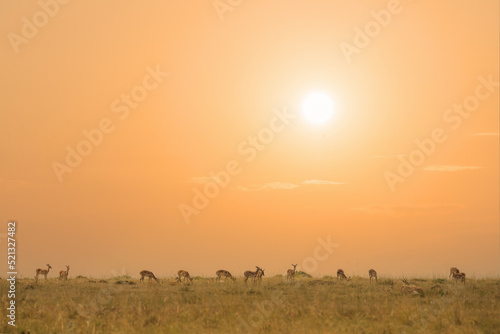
309	305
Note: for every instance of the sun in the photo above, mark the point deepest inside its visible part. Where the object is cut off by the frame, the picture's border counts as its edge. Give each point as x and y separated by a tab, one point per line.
317	108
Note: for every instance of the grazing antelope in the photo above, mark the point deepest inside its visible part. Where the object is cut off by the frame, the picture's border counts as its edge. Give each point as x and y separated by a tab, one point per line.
459	276
43	272
340	273
149	274
253	274
373	274
183	274
64	274
290	273
224	273
452	271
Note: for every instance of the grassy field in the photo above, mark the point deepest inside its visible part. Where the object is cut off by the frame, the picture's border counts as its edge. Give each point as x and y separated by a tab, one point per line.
309	305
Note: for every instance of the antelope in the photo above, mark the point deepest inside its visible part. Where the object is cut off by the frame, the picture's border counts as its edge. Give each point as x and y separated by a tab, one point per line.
411	288
149	274
64	274
259	275
290	274
459	276
253	274
373	274
183	274
452	271
340	273
43	272
224	273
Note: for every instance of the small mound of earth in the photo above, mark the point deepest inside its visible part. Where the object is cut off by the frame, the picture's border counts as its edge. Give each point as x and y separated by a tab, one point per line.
126	282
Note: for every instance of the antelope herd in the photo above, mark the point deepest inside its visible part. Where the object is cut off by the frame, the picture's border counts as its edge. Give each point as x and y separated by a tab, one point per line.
255	276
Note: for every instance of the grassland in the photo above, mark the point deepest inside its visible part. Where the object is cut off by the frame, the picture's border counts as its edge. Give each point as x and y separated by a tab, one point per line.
309	305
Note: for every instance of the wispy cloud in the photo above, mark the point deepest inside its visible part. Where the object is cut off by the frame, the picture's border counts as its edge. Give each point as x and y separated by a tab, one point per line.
486	134
321	182
451	168
411	209
269	186
285	185
427	208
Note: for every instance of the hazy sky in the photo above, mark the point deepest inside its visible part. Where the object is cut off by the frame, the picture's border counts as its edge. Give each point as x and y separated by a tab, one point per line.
151	98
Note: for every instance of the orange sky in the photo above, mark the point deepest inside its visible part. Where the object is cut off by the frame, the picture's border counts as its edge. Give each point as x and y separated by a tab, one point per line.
229	73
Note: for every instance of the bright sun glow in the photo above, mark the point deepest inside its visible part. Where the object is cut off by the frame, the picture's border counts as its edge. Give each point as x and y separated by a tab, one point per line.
317	108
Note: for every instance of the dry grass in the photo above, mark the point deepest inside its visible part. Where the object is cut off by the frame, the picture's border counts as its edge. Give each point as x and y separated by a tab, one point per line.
308	305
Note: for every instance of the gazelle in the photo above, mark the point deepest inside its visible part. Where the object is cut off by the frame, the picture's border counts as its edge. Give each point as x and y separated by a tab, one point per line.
64	274
253	274
183	274
459	276
43	272
411	288
224	273
149	274
259	275
452	271
373	274
340	273
290	273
